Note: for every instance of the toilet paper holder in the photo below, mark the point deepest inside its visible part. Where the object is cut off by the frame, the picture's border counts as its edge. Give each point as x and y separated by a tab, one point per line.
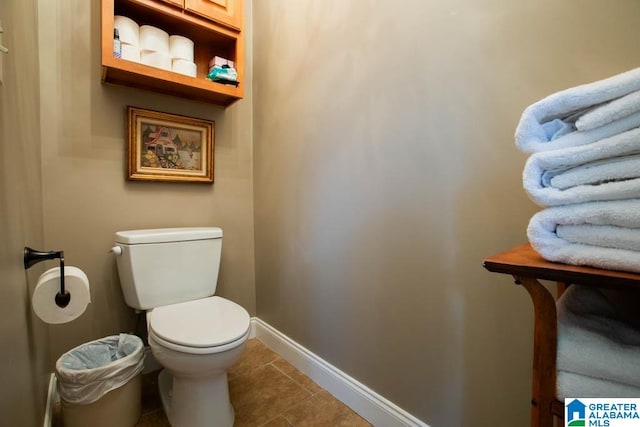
32	256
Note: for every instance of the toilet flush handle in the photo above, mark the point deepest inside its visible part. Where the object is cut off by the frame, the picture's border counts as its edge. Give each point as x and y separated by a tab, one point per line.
116	250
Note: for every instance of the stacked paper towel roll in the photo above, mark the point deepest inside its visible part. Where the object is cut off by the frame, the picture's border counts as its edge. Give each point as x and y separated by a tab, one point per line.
128	31
181	51
154	47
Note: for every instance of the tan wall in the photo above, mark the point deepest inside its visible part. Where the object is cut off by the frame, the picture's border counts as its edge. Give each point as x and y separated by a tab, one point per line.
24	367
385	171
86	196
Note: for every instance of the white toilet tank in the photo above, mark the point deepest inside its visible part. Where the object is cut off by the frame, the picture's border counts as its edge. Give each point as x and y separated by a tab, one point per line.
168	265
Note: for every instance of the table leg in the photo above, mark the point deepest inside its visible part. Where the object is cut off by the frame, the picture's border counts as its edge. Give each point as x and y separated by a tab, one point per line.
544	351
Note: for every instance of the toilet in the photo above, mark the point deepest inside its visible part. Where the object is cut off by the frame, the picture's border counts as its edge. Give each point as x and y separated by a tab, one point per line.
195	336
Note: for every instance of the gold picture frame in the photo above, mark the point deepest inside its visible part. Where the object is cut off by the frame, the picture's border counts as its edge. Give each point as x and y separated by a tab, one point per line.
169	147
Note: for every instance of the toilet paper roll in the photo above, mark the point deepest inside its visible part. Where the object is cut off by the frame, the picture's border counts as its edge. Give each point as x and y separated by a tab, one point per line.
156	59
43	299
153	39
128	29
181	48
130	52
184	67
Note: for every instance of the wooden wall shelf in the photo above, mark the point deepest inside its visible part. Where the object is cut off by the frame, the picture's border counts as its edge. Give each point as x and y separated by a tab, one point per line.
210	39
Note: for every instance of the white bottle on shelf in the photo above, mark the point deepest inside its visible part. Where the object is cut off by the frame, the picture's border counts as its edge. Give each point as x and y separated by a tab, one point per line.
117	46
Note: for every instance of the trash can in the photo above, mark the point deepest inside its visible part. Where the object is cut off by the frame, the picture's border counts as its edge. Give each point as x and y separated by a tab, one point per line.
99	382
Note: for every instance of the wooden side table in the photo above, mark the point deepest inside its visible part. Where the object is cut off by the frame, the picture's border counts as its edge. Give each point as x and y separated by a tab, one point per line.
527	269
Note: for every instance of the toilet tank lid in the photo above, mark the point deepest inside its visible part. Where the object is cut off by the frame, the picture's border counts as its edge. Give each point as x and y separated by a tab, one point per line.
164	235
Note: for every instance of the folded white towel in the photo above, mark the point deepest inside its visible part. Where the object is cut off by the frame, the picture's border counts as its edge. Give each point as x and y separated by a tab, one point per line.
551	122
605	170
600	172
585	217
593	340
569	384
609	112
607	236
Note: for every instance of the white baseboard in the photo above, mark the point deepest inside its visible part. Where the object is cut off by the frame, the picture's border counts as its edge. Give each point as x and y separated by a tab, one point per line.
367	403
52	400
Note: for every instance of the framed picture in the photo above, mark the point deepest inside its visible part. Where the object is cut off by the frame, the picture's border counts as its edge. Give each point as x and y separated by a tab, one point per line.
168	147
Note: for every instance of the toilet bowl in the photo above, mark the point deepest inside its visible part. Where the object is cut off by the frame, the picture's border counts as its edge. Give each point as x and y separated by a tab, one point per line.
195	336
196	342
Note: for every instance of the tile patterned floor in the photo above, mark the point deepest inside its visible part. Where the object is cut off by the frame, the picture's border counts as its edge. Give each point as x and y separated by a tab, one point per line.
266	391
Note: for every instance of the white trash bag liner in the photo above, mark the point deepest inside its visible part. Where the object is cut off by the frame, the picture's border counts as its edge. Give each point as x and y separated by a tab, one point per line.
91	370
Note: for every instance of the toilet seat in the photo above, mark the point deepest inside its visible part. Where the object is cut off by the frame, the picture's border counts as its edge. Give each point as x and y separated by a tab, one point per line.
204	326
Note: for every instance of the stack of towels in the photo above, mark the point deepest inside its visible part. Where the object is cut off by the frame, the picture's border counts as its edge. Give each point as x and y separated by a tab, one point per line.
598	351
584	169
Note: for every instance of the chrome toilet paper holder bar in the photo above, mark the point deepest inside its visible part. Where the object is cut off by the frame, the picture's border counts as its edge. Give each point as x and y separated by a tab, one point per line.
32	256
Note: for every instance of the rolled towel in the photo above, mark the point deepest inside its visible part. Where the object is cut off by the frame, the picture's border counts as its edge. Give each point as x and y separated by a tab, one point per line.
605	170
594	342
619	218
551	122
